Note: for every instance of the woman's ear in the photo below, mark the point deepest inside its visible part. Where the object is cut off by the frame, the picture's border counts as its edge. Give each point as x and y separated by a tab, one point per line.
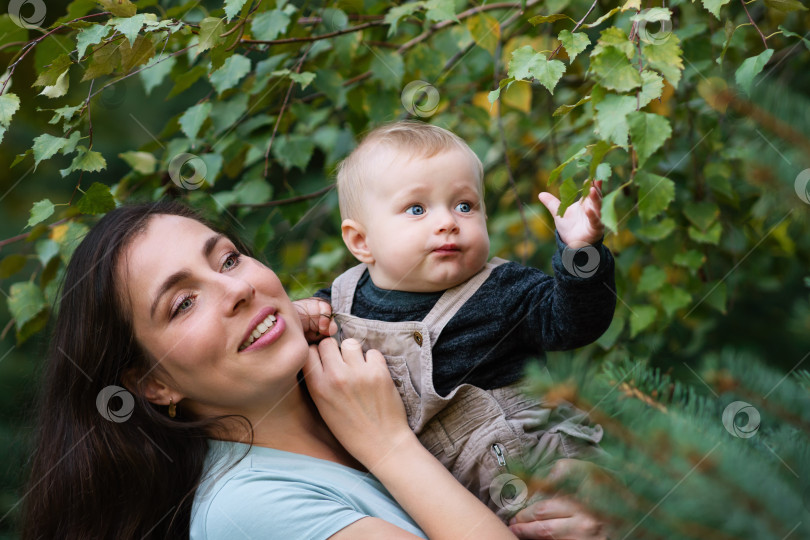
151	387
354	236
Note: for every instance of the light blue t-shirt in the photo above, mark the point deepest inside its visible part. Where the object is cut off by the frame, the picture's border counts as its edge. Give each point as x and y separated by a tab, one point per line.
275	494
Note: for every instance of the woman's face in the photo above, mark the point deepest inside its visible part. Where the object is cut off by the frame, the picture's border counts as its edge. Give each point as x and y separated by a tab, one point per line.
196	302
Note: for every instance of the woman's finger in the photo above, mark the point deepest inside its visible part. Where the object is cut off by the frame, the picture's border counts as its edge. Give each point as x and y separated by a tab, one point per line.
313	369
352	352
550	529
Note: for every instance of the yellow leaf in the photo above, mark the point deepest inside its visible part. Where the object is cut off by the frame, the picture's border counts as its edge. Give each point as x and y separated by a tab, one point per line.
485	30
58	232
519	96
480	99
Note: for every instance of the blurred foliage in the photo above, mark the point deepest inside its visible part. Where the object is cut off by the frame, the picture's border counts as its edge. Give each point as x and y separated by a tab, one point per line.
695	115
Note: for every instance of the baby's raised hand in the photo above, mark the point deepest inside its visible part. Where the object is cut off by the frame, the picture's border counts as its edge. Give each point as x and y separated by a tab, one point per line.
316	318
582	222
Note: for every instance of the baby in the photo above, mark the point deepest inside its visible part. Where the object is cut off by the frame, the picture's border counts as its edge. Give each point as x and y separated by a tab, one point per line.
456	329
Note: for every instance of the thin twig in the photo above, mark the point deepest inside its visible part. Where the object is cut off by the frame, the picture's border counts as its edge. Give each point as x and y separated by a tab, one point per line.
23	236
280	202
306	39
576	27
281	113
754	24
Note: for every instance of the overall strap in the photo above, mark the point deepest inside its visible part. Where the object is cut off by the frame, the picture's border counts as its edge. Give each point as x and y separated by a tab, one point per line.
343	288
452	300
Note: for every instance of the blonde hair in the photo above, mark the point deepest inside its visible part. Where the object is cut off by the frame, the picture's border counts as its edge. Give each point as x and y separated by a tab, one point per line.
414	139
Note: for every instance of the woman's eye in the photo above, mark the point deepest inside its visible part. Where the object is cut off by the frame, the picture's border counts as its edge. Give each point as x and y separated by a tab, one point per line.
415	210
184	305
464	207
232	260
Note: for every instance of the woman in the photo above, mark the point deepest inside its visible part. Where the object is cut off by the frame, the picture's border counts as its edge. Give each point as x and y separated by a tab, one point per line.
208	344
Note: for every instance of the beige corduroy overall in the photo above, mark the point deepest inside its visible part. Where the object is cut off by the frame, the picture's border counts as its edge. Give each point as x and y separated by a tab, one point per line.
472	431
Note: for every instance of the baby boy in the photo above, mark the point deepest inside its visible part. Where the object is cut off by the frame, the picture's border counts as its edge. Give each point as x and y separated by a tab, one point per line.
457	330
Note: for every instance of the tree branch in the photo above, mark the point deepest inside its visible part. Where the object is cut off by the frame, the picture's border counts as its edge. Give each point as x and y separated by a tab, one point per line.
764	40
280	202
576	27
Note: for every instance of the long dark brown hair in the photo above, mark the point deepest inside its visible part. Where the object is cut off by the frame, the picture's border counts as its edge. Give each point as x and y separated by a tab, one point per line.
97	472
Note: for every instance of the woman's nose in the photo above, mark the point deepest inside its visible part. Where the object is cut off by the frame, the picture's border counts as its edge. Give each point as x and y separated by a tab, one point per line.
238	292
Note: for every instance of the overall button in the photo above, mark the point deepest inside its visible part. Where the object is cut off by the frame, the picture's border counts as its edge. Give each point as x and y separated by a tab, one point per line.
417	337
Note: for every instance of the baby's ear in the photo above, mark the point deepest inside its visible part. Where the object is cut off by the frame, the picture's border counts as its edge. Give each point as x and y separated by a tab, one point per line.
354	236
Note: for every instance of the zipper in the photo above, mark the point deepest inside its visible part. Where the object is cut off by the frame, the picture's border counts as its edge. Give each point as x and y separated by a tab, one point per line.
499	455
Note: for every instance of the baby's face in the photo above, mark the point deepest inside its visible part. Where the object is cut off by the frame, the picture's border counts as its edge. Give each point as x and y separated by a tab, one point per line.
424	223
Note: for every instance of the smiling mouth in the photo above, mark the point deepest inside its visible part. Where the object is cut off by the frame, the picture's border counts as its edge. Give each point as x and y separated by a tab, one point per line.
261	328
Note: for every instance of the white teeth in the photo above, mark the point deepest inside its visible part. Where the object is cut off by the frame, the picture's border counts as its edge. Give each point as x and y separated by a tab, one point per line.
260	329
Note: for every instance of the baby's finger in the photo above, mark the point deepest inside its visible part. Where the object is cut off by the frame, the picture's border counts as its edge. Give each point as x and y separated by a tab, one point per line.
556	507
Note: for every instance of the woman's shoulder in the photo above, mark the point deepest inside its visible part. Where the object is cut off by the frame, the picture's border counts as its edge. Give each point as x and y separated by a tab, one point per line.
268	493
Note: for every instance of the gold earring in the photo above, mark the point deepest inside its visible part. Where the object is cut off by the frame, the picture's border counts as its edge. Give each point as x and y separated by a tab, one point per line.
172	408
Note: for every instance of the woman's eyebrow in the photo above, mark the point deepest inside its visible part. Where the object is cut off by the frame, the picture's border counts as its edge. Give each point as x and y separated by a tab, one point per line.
180	275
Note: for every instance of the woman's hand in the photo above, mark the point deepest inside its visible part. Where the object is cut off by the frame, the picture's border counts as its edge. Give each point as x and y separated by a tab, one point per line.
560	517
316	318
357	399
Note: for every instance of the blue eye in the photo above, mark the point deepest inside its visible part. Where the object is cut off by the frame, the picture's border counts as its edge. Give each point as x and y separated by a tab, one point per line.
464	207
415	210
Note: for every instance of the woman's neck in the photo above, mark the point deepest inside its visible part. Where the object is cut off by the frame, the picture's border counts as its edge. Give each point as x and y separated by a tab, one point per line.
295	425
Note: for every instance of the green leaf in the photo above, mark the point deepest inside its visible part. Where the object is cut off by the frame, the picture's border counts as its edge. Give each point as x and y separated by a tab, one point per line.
55	69
657	231
717	296
613	70
25	302
86	160
648	132
652	86
616	38
495	94
526	63
574	43
750	68
652	278
268	25
641	318
485	30
304	78
45	146
539	19
138	54
714	6
611	118
602	19
552	177
59	89
441	10
293	151
690	259
788	33
64	113
185	79
210	29
673	299
609	217
655	193
388	67
9	104
393	16
11	265
119	8
709	236
565	109
666	58
786	5
2	133
701	214
41	211
232	7
131	25
104	62
193	119
90	35
96	200
141	162
231	72
155	71
568	195
11	32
